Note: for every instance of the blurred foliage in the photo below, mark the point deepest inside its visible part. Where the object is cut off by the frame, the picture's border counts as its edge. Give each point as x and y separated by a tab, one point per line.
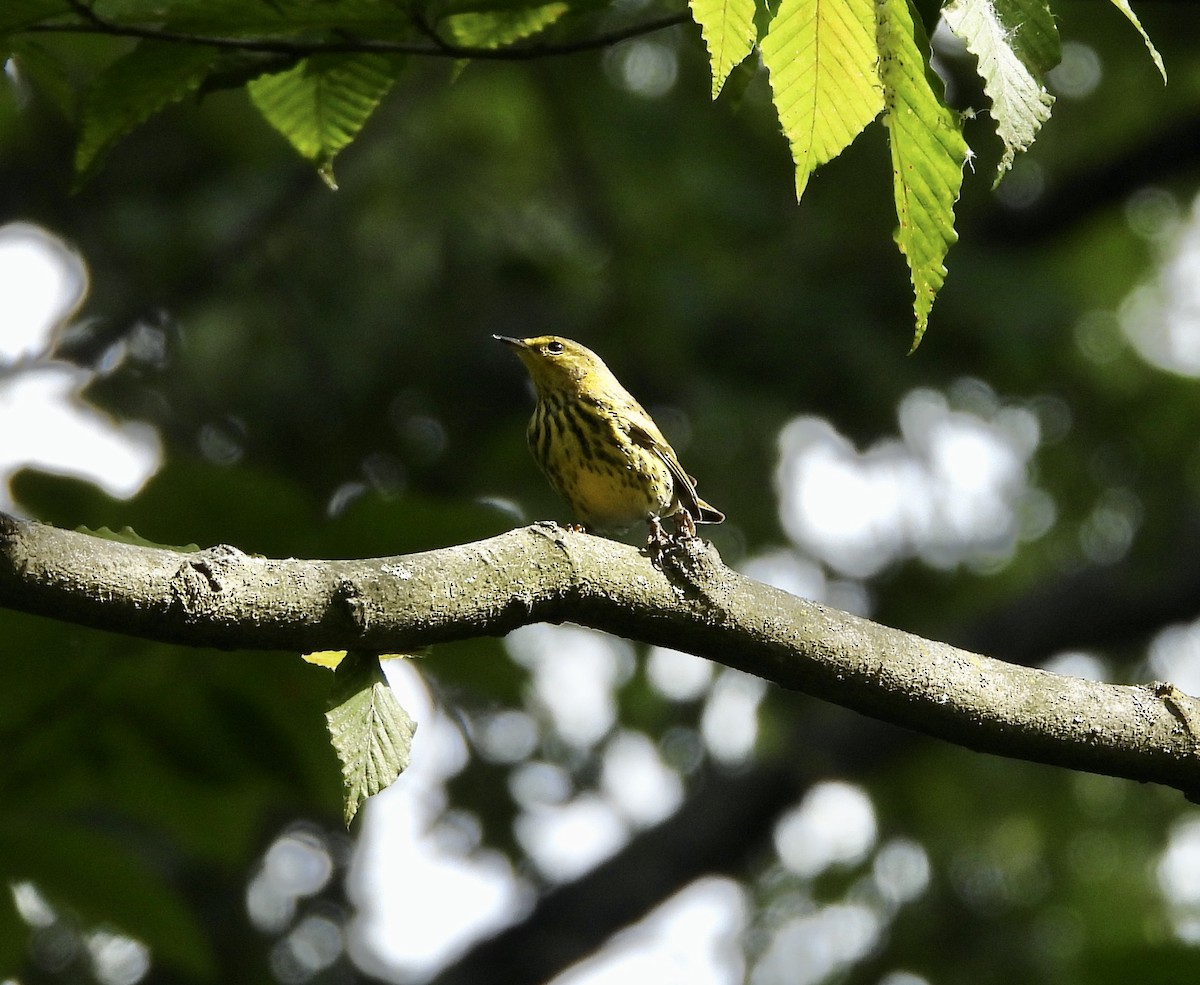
320	368
318	71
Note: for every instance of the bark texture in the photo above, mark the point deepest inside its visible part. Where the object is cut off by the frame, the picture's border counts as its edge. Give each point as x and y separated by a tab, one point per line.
689	600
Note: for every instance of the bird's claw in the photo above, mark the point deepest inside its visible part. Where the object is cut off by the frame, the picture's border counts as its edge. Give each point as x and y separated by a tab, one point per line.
660	540
685	525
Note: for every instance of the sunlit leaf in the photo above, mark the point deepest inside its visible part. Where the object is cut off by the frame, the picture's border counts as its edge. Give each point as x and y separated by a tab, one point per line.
821	55
371	733
727	27
325	658
492	29
322	102
1011	41
928	153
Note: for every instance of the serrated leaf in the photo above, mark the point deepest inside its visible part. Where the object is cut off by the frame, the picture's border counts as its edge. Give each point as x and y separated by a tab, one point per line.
928	153
127	535
1010	41
321	103
493	29
821	56
727	27
1123	6
738	83
131	90
371	733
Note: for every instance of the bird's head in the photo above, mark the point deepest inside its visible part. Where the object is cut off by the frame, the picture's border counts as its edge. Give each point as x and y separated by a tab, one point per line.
556	363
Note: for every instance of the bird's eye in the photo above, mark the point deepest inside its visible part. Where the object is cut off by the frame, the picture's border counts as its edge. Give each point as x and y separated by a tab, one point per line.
554	348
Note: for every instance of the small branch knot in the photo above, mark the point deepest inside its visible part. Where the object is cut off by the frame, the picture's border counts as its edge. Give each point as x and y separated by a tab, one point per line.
350	596
200	576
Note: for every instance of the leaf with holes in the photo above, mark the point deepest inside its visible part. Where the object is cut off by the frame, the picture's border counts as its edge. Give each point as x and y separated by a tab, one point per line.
1016	43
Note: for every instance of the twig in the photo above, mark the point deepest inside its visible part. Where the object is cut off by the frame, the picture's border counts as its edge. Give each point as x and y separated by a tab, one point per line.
440	48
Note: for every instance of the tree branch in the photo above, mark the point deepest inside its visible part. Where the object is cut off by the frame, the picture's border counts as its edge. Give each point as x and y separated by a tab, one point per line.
92	23
543	573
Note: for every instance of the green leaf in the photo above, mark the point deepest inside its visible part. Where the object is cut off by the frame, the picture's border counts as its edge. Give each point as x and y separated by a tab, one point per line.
370	732
131	90
44	68
1032	33
492	29
821	56
1015	44
321	103
928	153
131	11
127	535
1123	6
727	27
16	14
291	19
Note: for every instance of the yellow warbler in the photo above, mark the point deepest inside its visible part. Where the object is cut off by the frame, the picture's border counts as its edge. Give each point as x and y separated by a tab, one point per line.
600	450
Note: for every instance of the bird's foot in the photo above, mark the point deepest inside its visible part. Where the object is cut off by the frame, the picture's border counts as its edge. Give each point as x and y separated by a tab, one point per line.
685	525
660	540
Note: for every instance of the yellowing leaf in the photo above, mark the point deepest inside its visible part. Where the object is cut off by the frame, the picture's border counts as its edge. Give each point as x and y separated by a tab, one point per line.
822	57
325	658
727	27
331	658
1020	103
928	153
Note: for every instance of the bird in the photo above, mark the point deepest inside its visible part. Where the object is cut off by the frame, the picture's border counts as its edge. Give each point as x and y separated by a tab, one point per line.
600	450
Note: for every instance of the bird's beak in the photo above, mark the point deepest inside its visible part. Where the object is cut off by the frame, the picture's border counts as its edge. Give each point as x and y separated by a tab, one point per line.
509	340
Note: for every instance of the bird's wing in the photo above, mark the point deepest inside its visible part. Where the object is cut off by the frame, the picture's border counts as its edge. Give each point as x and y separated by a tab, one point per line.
652	440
